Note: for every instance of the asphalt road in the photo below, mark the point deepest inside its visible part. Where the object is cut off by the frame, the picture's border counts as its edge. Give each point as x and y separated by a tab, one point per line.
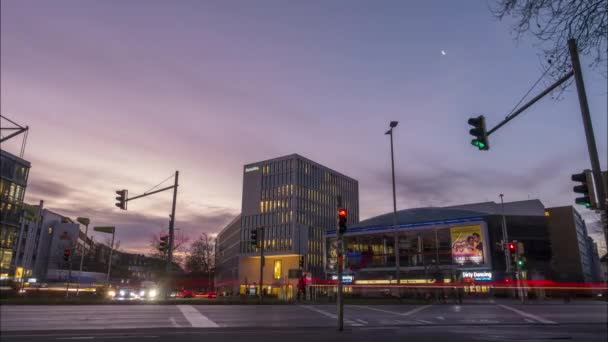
493	322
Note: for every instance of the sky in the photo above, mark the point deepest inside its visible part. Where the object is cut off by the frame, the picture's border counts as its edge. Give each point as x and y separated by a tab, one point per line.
120	94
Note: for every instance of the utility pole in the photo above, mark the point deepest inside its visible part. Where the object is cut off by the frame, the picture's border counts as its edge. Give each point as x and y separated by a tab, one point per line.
591	146
262	262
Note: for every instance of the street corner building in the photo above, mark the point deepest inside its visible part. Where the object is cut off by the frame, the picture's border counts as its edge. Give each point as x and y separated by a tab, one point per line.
294	201
459	243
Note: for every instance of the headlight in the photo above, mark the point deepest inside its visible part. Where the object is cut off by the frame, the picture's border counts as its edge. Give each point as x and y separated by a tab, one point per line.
152	293
111	293
142	293
122	292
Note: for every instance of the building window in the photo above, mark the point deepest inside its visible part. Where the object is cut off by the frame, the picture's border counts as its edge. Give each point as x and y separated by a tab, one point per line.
277	269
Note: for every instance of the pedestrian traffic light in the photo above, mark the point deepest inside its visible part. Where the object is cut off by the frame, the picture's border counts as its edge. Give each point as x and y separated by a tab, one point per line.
512	246
342	220
66	254
254	237
164	243
585	188
301	263
122	199
479	132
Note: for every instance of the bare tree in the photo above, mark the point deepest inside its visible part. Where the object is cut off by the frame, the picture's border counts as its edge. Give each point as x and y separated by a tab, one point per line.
201	255
553	22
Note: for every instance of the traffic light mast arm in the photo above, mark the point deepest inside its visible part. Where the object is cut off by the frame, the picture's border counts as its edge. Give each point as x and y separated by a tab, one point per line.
531	102
150	193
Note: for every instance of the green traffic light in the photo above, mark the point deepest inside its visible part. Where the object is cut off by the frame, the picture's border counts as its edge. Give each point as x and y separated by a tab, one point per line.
478	143
519	262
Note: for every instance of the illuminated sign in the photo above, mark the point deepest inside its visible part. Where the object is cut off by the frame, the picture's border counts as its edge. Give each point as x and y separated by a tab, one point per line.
346	279
467	244
253	168
477	275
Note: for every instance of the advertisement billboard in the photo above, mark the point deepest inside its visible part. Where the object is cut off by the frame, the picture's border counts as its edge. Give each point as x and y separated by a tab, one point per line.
467	245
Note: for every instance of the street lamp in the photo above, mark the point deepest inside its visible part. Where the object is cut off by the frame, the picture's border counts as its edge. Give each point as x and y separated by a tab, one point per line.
392	125
84	221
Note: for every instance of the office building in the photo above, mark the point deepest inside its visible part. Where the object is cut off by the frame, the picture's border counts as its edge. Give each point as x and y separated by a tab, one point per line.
294	200
572	257
443	244
227	250
13	182
43	238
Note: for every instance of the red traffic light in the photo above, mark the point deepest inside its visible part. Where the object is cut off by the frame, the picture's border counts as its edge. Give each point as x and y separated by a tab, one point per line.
342	212
512	246
66	252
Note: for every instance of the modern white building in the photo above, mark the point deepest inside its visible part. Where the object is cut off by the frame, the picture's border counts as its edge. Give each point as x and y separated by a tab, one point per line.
294	200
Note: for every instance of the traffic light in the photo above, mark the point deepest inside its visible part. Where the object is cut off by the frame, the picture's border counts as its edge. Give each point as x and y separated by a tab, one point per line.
164	243
479	132
512	246
254	237
122	199
585	188
301	263
342	220
66	254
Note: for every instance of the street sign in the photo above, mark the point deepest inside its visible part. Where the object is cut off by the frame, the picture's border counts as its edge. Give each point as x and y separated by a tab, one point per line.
109	230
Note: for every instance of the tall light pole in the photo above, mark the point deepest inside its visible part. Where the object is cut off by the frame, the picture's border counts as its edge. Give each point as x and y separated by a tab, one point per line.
392	125
84	221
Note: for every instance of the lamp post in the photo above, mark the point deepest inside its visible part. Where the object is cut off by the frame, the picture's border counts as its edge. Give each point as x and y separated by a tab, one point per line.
85	221
392	125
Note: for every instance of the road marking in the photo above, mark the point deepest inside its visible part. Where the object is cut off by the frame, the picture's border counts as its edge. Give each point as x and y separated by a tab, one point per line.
529	320
195	318
527	315
361	321
173	322
441	318
330	315
413	311
424	321
407	313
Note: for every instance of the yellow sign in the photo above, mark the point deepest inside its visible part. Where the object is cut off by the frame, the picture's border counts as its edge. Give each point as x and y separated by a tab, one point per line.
19	273
277	269
467	244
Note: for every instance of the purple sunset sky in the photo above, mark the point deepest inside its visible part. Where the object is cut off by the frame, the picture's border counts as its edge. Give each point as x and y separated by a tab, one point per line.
119	94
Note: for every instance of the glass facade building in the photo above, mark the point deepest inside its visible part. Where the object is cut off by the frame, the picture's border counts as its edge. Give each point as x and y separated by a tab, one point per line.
13	182
295	200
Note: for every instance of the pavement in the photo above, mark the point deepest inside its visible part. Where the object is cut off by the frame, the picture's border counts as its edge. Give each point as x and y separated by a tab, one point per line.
483	322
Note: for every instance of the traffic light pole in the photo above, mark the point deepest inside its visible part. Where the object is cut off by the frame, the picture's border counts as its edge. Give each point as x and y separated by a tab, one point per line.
586	116
591	146
340	299
172	226
505	237
262	262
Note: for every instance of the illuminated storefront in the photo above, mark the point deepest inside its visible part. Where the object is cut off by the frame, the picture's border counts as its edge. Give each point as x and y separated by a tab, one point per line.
429	246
